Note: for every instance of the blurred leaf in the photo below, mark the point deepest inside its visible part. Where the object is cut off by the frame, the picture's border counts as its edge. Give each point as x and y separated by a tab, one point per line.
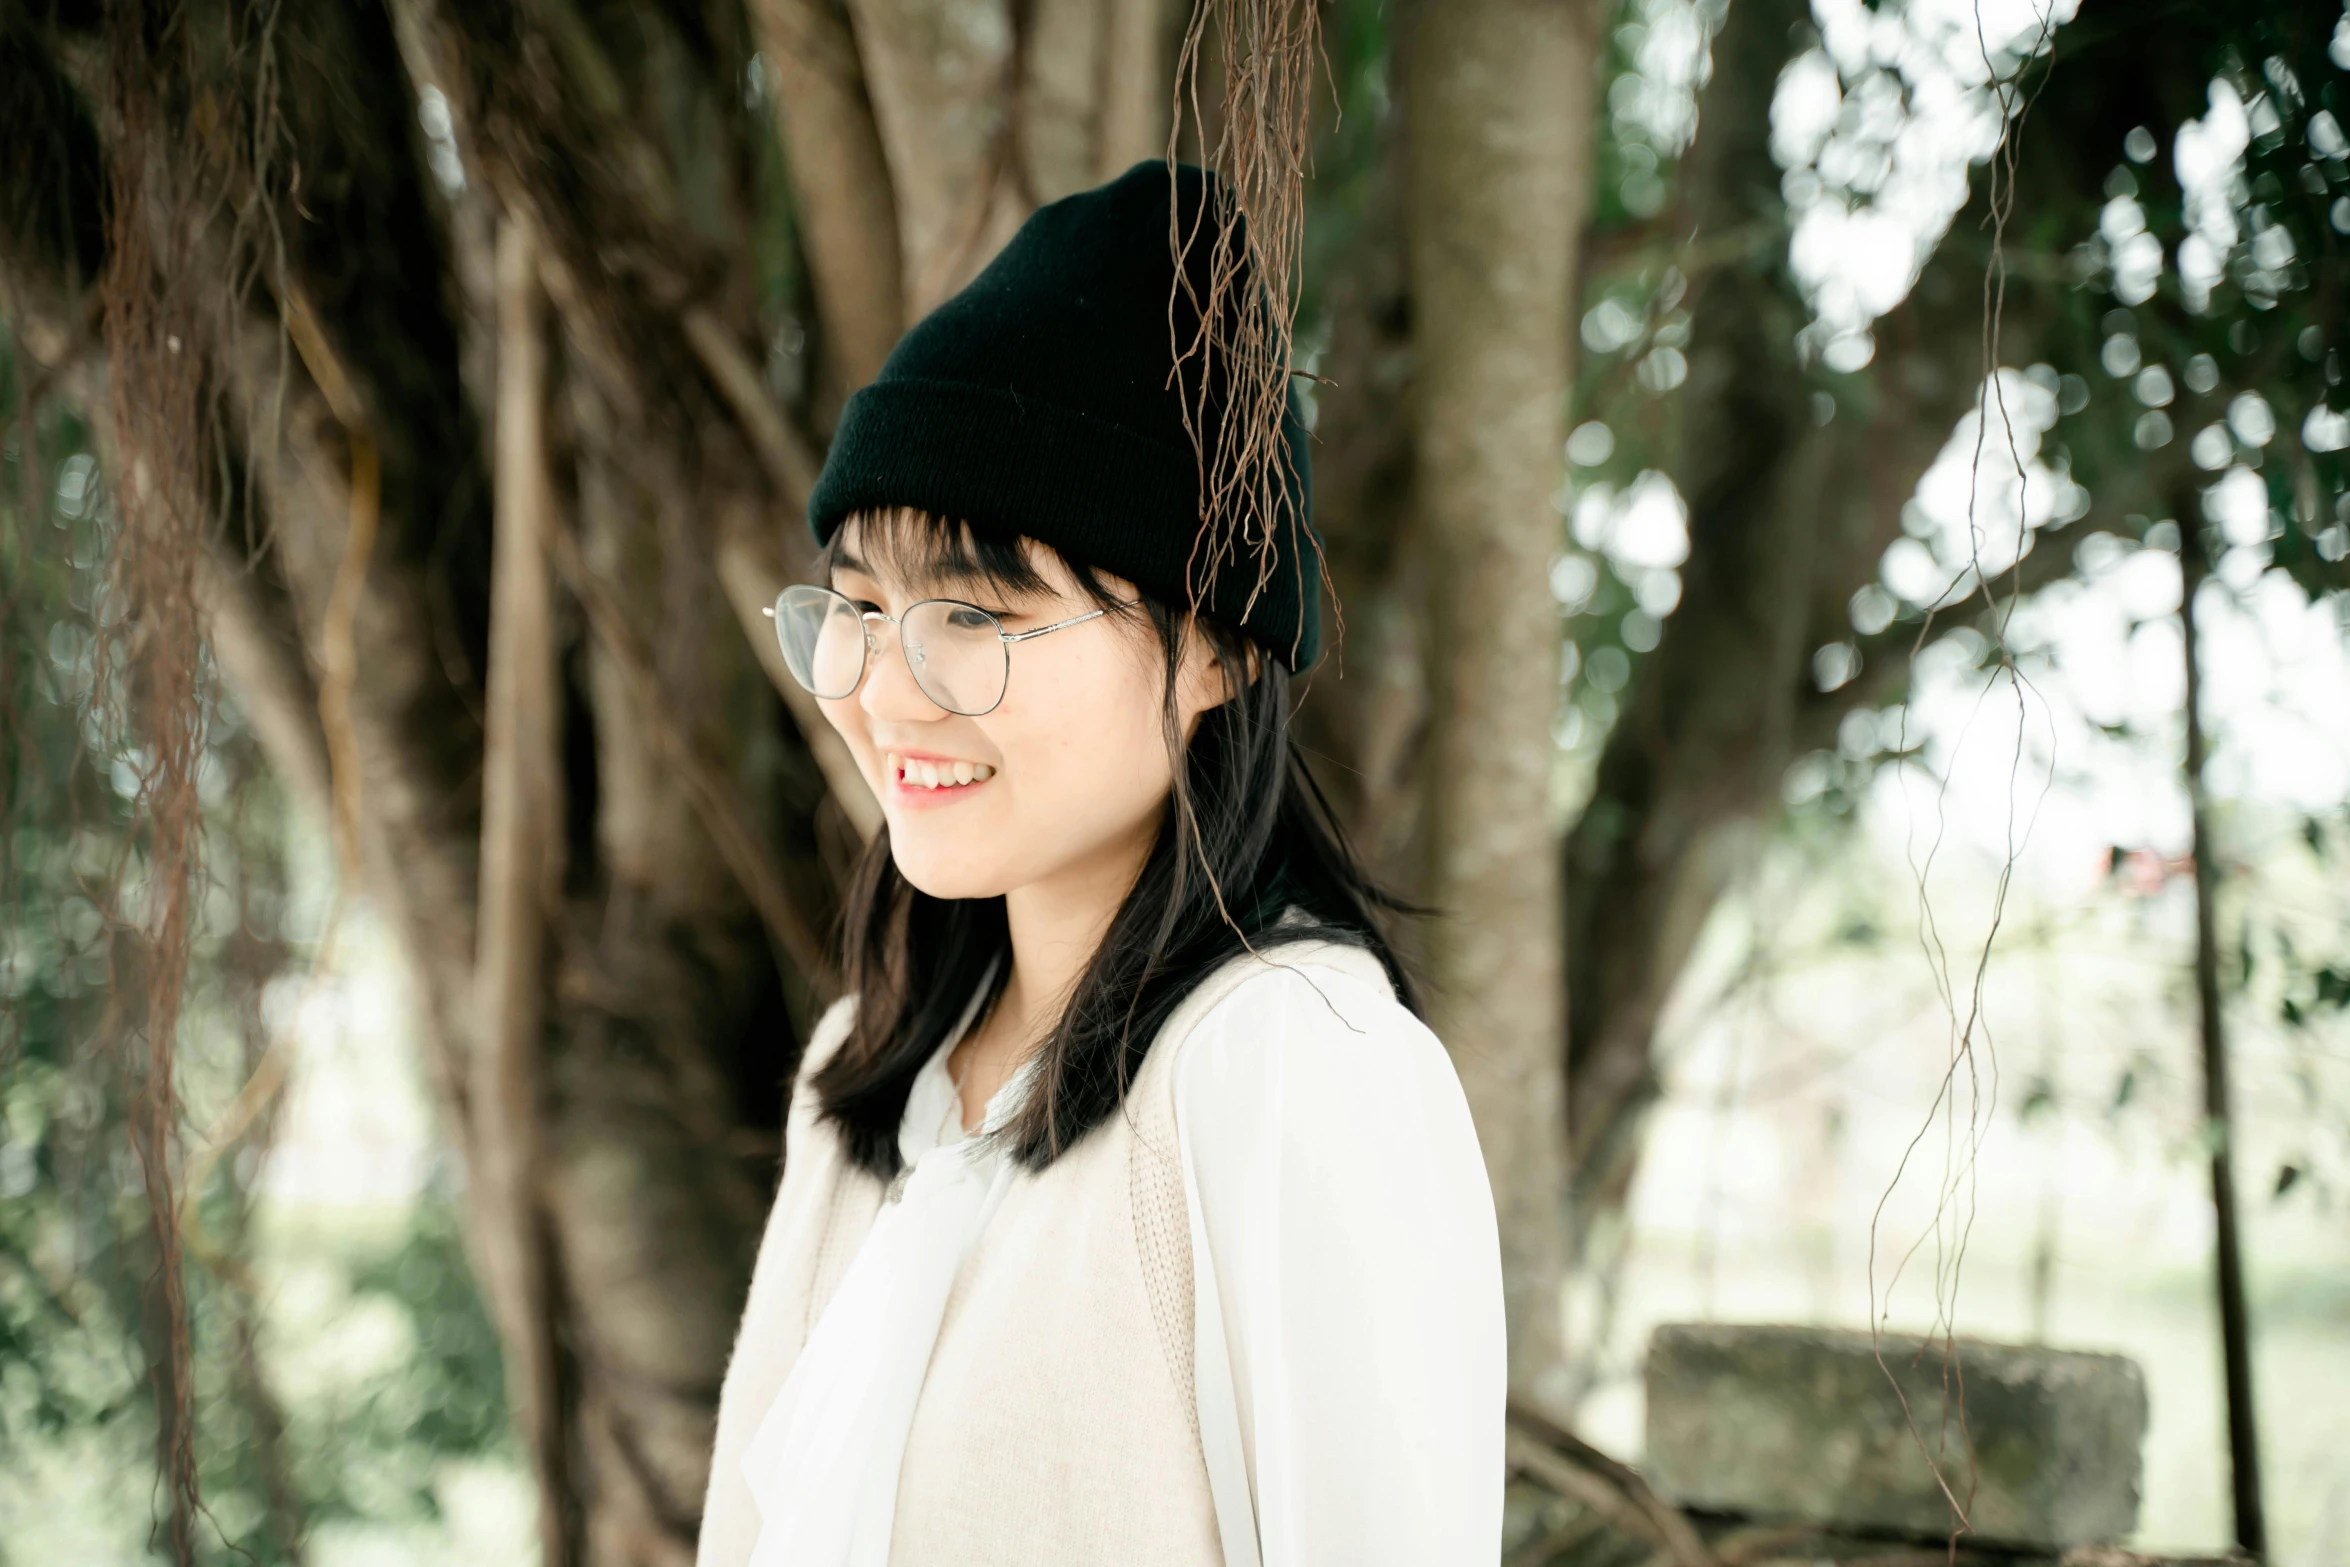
1858	928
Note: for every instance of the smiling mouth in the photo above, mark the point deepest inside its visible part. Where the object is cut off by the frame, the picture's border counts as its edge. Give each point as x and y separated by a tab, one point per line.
914	773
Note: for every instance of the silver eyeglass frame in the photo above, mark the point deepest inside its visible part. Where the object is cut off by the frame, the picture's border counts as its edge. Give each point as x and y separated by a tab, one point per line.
866	617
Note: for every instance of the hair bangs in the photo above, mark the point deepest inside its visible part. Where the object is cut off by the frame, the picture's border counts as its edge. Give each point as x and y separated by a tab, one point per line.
927	551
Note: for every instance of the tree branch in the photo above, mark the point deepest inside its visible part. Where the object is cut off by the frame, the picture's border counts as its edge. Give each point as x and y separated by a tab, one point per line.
938	84
519	847
1885	657
840	182
338	635
271	686
789	465
1546	1451
754	567
721	815
1132	106
751	572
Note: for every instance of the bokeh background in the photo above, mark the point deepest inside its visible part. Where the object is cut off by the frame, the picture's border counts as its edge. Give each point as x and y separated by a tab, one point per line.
1764	450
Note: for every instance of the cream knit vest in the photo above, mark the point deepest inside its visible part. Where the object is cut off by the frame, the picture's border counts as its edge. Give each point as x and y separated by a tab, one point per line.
1057	1425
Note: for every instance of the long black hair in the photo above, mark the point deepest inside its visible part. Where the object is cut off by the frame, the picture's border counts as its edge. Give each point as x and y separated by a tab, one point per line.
1247	837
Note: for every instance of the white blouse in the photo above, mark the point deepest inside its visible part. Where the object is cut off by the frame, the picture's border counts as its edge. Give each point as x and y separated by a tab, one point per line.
1349	1360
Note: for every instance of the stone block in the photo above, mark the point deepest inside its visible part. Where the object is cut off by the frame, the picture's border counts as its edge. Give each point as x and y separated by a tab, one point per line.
1803	1425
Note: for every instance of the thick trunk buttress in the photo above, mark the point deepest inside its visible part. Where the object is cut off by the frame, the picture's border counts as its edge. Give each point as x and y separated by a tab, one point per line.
1499	116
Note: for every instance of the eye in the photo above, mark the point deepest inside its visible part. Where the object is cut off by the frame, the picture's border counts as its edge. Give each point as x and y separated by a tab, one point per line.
965	618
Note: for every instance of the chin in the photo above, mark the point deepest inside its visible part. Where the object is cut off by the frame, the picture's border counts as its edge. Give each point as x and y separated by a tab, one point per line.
945	875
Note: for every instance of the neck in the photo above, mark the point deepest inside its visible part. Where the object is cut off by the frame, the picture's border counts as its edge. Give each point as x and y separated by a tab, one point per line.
1056	927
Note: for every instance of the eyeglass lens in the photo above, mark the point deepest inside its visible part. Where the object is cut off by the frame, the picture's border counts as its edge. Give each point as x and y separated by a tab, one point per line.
956	652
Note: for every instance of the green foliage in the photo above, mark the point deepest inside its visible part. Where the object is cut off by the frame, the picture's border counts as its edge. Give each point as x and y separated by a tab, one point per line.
68	1296
80	1331
455	1386
80	1325
372	1448
2240	369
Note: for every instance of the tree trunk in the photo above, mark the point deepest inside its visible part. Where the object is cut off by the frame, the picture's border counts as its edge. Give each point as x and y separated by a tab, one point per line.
1706	730
2235	1316
1499	113
1366	706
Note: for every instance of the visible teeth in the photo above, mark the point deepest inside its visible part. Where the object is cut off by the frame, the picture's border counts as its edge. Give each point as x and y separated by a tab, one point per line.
915	774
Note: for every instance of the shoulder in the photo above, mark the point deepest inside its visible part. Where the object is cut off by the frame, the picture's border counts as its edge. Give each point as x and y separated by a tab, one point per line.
830	1033
1314	996
1351	977
1314	1041
1311	1102
1318	995
812	1144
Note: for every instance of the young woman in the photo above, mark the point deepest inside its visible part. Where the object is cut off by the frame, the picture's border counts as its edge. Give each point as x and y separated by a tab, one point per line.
1129	1214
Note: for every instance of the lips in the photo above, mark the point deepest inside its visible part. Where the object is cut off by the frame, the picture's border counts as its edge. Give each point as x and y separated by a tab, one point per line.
935	774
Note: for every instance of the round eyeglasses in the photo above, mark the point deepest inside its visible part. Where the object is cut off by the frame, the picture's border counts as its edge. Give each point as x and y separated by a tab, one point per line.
960	655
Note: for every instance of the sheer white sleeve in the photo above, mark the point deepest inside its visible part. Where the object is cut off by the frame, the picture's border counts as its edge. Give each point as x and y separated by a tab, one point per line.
1353	1262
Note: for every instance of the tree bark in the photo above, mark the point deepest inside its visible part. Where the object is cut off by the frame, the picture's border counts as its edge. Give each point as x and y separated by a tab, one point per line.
942	74
1499	111
1367	702
840	181
1133	103
1093	91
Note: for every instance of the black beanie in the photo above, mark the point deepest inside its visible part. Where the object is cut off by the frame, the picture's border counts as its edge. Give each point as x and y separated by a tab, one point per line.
1041	401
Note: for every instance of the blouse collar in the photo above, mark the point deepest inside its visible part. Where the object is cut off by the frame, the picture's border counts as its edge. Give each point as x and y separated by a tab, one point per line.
934	1106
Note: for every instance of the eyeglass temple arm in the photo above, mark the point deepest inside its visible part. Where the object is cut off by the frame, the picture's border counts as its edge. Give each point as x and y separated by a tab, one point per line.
1058	625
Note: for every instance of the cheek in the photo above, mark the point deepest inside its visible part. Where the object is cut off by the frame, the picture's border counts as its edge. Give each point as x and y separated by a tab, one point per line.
1085	768
847	717
1096	751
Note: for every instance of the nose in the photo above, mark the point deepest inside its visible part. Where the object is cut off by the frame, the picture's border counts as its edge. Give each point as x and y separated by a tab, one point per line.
889	691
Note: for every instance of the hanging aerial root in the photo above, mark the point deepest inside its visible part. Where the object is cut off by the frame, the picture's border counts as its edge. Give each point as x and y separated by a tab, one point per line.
149	658
1234	373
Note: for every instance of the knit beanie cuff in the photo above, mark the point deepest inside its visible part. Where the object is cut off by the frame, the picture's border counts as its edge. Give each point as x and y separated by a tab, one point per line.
1013	464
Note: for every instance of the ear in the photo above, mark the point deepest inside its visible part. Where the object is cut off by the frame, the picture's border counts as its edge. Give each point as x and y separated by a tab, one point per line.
1202	679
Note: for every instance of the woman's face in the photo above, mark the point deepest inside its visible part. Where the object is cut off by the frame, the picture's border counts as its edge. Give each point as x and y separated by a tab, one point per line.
1067	776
